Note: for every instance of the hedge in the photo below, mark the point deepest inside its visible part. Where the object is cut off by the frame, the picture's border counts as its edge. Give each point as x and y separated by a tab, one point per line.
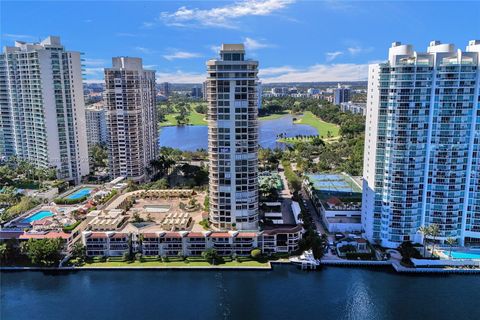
356	255
69	201
70	228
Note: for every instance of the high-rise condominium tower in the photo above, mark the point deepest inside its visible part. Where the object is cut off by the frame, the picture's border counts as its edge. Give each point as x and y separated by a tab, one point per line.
131	118
422	150
96	125
233	139
42	109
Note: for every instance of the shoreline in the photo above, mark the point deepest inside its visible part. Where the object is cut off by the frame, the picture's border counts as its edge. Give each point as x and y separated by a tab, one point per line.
399	269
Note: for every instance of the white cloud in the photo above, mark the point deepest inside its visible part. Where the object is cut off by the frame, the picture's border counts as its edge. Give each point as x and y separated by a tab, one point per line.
252	44
93	81
150	66
318	73
147	25
265	72
215	48
333	55
93	72
94	62
182	55
88	20
180	77
18	36
357	49
144	50
222	16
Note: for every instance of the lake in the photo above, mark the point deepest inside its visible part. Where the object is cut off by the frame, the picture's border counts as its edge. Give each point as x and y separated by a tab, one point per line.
283	293
191	138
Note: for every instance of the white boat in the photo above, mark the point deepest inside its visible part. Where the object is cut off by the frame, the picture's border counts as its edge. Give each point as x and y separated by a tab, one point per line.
306	259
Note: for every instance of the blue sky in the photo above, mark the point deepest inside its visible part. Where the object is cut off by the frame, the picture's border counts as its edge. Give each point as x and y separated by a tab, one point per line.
293	40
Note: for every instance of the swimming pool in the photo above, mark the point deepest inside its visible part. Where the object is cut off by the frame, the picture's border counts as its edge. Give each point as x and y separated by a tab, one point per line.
463	255
37	216
80	193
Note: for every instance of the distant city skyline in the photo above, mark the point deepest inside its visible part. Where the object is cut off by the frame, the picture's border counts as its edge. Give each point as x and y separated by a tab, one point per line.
297	41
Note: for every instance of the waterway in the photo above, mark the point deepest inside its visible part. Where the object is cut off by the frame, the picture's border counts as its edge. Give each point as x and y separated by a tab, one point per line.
191	138
282	293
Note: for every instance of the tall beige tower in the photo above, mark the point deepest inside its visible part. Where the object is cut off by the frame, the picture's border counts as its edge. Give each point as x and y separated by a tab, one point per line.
131	118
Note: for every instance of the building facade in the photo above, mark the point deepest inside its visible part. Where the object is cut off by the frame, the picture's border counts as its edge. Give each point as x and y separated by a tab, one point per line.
131	118
422	151
353	107
233	139
96	125
341	94
188	243
165	89
42	107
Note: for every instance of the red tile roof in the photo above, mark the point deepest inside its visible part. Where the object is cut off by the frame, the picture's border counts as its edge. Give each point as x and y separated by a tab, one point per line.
172	235
220	235
150	235
50	235
246	235
98	235
119	235
195	235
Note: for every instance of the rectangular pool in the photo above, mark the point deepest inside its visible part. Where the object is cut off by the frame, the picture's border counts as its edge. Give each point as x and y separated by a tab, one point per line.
464	255
37	216
80	193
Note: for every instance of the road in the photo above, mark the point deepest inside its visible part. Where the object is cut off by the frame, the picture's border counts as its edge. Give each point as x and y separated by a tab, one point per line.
311	209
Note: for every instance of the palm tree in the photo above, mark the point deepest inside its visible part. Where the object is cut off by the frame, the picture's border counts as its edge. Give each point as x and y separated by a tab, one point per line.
434	232
451	242
425	231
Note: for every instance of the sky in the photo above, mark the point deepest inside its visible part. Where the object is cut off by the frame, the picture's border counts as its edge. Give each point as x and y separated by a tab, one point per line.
294	41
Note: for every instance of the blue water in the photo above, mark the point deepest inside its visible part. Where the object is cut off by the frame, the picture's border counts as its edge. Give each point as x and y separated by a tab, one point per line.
191	138
37	216
464	255
80	193
283	293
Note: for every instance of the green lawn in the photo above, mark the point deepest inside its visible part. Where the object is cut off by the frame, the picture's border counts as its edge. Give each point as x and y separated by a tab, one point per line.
322	127
144	264
194	119
274	116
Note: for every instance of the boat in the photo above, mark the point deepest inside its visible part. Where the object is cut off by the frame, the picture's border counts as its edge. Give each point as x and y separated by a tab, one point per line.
306	260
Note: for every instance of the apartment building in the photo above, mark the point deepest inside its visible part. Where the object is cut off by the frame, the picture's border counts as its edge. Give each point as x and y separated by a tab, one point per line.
341	94
42	107
189	243
422	150
131	118
96	124
232	85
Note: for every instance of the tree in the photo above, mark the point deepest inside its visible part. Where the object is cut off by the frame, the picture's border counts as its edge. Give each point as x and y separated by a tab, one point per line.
131	185
79	251
425	231
210	255
44	251
451	242
3	252
434	232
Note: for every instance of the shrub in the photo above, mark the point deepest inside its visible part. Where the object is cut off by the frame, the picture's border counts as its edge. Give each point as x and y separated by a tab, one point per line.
139	257
256	253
